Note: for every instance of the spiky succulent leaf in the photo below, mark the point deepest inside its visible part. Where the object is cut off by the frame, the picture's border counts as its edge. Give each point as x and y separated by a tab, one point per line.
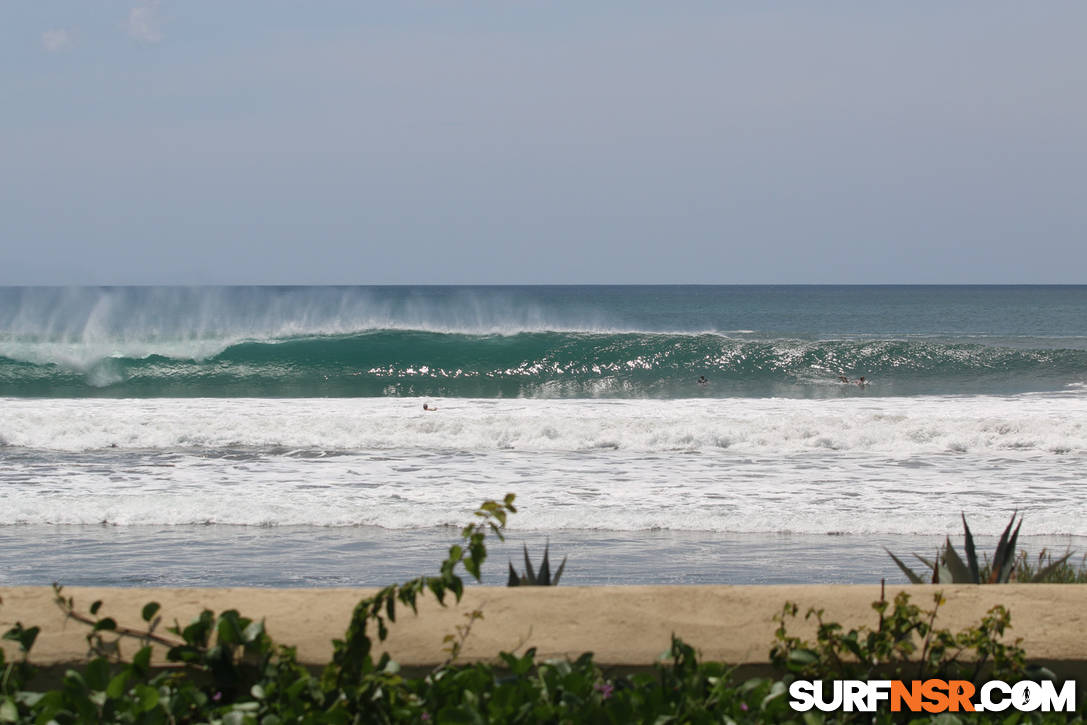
1002	552
558	572
958	571
971	552
939	572
545	568
910	573
928	564
533	577
1008	566
530	573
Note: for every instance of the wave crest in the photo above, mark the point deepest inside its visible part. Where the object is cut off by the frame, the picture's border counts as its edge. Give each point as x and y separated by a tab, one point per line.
550	364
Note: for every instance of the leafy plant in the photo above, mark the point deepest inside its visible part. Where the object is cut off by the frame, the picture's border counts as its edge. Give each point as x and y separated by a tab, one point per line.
949	567
14	675
225	668
352	661
532	578
1046	569
905	644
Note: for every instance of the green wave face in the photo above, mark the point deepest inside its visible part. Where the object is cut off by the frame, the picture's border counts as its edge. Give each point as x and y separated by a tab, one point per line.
553	364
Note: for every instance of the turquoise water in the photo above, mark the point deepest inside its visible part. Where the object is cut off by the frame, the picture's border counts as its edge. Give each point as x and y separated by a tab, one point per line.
540	342
268	435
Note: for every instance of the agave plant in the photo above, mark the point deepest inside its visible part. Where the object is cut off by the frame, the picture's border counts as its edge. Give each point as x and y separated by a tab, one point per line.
949	567
533	578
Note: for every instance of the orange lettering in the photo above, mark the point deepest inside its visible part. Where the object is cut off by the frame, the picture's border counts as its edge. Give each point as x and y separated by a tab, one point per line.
936	692
959	694
911	696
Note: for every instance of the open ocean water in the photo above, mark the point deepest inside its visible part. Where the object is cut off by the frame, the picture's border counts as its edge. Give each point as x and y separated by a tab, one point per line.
276	435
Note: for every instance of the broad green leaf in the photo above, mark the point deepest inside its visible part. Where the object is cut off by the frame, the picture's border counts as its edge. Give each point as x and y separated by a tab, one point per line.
149	611
800	658
116	686
25	636
97	673
253	631
8	711
147	697
141	661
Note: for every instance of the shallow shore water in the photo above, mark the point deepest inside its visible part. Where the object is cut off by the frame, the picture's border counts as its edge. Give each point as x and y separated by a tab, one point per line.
303	556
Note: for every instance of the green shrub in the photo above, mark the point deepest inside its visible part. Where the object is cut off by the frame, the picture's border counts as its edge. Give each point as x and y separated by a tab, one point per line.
905	644
1046	569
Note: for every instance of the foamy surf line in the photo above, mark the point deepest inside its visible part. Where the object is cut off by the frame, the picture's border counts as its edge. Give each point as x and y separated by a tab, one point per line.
1045	425
875	465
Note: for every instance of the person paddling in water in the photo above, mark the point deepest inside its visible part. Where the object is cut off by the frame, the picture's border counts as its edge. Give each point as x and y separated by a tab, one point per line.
428	408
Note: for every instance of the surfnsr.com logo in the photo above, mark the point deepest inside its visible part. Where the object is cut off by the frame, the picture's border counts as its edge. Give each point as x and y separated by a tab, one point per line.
931	695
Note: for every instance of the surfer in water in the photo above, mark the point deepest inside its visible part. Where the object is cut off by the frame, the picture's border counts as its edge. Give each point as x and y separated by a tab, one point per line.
428	407
862	382
702	380
843	379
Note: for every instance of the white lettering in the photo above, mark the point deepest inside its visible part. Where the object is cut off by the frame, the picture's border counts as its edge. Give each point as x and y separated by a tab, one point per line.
988	704
854	697
878	690
802	694
835	701
1064	701
1026	696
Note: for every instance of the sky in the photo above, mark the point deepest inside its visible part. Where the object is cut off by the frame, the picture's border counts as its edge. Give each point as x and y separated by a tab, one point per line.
533	141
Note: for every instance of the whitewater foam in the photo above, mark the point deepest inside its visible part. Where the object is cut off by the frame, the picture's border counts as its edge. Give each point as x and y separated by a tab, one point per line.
888	426
890	465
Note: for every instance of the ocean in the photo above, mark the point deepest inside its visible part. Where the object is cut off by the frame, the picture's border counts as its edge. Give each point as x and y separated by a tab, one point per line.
275	436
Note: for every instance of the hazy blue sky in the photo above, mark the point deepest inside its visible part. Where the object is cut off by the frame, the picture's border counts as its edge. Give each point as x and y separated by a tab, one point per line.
192	141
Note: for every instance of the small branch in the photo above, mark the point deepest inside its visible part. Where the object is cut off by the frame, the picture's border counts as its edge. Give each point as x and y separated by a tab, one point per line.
523	641
70	612
457	641
928	635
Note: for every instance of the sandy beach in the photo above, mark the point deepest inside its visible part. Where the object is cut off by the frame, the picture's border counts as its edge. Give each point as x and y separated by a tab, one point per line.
623	626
